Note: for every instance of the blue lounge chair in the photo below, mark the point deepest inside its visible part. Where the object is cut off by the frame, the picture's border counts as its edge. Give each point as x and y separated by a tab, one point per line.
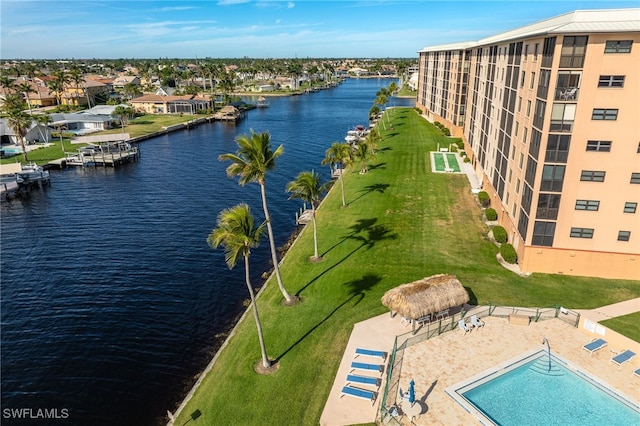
622	357
369	367
594	345
463	326
358	393
476	322
369	352
364	380
636	372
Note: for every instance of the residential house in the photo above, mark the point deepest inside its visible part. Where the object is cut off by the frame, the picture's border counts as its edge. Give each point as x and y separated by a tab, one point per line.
159	104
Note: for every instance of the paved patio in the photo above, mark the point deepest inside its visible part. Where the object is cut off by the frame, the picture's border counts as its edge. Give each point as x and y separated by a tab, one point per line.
447	359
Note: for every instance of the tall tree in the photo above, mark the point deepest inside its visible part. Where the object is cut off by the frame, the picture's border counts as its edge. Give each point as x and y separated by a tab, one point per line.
251	163
306	187
17	119
124	114
25	88
339	153
44	120
238	234
364	152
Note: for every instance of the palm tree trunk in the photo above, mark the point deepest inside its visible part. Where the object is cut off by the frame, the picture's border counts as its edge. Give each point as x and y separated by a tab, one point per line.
272	244
315	232
265	359
342	185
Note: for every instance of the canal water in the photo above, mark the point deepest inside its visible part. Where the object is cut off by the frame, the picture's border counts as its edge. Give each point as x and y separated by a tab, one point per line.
111	301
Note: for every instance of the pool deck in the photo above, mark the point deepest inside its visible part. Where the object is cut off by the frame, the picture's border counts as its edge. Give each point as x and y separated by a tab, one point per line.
445	360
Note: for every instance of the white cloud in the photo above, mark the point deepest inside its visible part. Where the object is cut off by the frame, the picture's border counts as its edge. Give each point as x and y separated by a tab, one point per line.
291	5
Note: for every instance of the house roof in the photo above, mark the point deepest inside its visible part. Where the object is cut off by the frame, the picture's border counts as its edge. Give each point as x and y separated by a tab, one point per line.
163	99
579	21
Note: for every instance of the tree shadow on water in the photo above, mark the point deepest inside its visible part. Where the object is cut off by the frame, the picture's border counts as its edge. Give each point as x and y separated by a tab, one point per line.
355	296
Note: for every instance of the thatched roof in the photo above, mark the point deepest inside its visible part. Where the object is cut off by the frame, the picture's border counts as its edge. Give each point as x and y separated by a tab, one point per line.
229	109
426	296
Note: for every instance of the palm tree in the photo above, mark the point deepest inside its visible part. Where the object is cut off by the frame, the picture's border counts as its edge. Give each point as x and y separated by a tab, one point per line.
44	120
17	119
124	114
339	153
307	187
25	88
251	163
237	233
364	151
7	83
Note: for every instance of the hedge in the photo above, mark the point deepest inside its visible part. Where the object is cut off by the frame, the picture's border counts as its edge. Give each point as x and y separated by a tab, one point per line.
484	199
491	214
508	253
500	234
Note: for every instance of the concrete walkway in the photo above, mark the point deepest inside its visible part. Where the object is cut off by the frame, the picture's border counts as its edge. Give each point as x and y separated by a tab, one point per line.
615	310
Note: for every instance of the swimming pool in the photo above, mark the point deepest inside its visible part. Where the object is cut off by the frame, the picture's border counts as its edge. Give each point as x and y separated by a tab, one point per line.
537	390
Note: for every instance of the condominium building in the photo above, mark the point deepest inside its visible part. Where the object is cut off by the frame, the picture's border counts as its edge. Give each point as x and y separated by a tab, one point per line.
550	117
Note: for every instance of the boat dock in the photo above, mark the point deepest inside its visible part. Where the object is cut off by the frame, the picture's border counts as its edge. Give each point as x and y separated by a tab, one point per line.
102	150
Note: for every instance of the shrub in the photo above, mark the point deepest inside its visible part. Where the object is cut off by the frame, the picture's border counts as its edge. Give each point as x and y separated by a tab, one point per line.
484	199
491	214
463	154
418	110
446	131
508	253
460	144
500	234
466	160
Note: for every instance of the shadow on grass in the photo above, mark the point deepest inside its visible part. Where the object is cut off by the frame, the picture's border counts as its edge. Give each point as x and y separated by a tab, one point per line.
377	166
363	284
473	300
372	234
376	187
358	296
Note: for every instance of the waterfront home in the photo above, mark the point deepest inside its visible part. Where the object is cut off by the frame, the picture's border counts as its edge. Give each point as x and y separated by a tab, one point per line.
158	104
37	133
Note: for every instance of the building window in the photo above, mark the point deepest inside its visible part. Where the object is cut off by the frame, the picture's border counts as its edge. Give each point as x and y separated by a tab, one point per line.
526	51
528	108
635	178
618	46
591	205
552	178
573	51
548	205
536	49
522	75
611	81
581	233
601	146
562	116
521	160
604	114
630	207
568	85
538	113
592	176
543	233
519	103
524	135
557	148
624	235
533	80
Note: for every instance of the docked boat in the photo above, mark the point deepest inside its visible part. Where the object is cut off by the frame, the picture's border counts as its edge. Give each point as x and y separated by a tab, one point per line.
32	173
262	102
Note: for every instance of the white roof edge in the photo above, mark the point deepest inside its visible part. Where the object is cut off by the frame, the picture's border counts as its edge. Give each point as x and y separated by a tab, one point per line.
578	21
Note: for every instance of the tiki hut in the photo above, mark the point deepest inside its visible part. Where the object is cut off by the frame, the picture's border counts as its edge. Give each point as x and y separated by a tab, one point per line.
419	299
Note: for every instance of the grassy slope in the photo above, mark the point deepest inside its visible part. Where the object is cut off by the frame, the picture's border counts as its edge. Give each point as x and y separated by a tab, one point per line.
403	223
627	325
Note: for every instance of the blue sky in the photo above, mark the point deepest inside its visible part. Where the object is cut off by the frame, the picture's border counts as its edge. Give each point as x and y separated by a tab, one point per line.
48	29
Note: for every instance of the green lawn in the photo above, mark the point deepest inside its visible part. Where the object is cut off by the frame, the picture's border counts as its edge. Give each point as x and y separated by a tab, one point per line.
626	325
150	123
403	223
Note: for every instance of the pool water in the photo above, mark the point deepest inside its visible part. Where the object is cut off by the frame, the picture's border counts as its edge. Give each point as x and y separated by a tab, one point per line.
542	391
